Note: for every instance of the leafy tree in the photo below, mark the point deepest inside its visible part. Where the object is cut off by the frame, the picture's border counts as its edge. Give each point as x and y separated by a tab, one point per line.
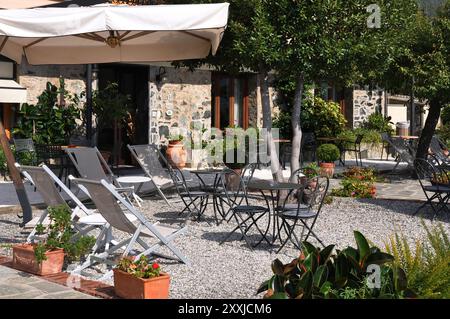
331	40
424	64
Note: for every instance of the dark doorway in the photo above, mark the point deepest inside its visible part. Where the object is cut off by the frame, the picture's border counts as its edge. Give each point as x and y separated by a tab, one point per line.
133	81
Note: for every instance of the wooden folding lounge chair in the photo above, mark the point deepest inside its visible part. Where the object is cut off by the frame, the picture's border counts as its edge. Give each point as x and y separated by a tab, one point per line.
47	183
148	157
112	206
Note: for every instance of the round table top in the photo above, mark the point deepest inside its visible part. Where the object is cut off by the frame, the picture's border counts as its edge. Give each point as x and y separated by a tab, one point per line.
272	185
133	179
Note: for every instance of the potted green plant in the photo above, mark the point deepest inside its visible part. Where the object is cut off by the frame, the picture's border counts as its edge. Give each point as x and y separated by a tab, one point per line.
140	279
327	154
176	153
47	256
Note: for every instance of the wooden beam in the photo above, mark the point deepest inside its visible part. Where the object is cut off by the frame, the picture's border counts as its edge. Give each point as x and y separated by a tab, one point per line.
15	175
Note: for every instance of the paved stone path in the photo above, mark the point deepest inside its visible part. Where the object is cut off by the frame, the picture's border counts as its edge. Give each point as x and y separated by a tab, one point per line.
15	284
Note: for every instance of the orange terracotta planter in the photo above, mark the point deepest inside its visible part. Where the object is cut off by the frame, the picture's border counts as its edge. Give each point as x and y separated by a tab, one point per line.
130	287
327	169
25	260
176	154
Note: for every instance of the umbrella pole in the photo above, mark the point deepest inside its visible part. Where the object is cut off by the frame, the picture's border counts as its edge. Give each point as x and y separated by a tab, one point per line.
89	104
15	175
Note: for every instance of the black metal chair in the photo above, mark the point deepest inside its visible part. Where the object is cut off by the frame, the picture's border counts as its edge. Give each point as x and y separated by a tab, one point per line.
246	215
435	184
354	147
308	144
309	202
193	200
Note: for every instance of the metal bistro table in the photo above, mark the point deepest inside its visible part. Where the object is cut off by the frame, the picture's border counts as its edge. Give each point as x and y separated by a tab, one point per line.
274	189
211	189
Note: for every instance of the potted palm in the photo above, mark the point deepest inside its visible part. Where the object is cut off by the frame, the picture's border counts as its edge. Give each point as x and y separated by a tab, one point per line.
47	256
327	154
140	279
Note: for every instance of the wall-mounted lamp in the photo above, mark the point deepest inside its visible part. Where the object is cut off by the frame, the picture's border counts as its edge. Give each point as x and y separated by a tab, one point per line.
160	76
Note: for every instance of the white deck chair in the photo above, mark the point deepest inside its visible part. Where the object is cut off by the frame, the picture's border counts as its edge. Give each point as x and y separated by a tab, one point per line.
84	219
148	158
107	201
91	165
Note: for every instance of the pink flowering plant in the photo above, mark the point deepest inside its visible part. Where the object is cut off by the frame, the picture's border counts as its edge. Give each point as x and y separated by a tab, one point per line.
140	268
357	183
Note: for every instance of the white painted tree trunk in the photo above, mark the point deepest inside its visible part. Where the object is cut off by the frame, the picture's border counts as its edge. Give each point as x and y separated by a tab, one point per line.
296	125
277	172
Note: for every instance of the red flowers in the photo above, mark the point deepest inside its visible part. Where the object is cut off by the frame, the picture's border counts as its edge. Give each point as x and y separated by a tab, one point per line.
155	266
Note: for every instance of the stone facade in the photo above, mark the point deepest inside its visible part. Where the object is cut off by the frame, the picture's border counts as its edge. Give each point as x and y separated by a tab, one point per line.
35	77
364	104
181	101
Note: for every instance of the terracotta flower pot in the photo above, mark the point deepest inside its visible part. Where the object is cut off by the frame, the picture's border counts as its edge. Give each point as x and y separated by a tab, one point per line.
327	169
25	260
176	154
130	287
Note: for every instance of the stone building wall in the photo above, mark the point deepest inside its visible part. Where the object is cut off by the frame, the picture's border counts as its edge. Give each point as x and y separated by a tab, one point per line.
35	77
366	103
181	101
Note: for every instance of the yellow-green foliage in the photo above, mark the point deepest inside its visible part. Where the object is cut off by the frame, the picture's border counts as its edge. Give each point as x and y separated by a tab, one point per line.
427	264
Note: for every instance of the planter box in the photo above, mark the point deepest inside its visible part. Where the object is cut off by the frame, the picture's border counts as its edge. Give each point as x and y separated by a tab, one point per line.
130	287
25	260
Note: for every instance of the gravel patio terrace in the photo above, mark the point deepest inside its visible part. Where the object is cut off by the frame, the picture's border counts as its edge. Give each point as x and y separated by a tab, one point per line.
232	270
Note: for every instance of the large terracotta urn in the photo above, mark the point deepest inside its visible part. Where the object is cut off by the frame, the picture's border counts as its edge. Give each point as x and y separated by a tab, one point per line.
176	154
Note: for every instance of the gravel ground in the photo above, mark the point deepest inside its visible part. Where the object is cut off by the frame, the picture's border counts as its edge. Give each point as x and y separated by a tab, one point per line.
232	270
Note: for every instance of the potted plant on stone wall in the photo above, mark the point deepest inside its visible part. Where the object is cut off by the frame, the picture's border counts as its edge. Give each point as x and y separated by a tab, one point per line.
140	279
47	256
327	155
176	153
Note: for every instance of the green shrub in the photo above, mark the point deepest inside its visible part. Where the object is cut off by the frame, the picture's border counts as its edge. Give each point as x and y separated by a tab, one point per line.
48	122
369	136
283	122
377	122
328	153
426	263
322	117
60	235
324	273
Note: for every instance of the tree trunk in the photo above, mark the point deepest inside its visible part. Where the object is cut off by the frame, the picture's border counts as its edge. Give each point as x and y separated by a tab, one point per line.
277	173
296	128
15	175
429	129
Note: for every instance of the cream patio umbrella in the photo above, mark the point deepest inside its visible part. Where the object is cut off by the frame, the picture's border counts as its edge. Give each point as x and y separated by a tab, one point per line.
102	34
111	33
22	4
